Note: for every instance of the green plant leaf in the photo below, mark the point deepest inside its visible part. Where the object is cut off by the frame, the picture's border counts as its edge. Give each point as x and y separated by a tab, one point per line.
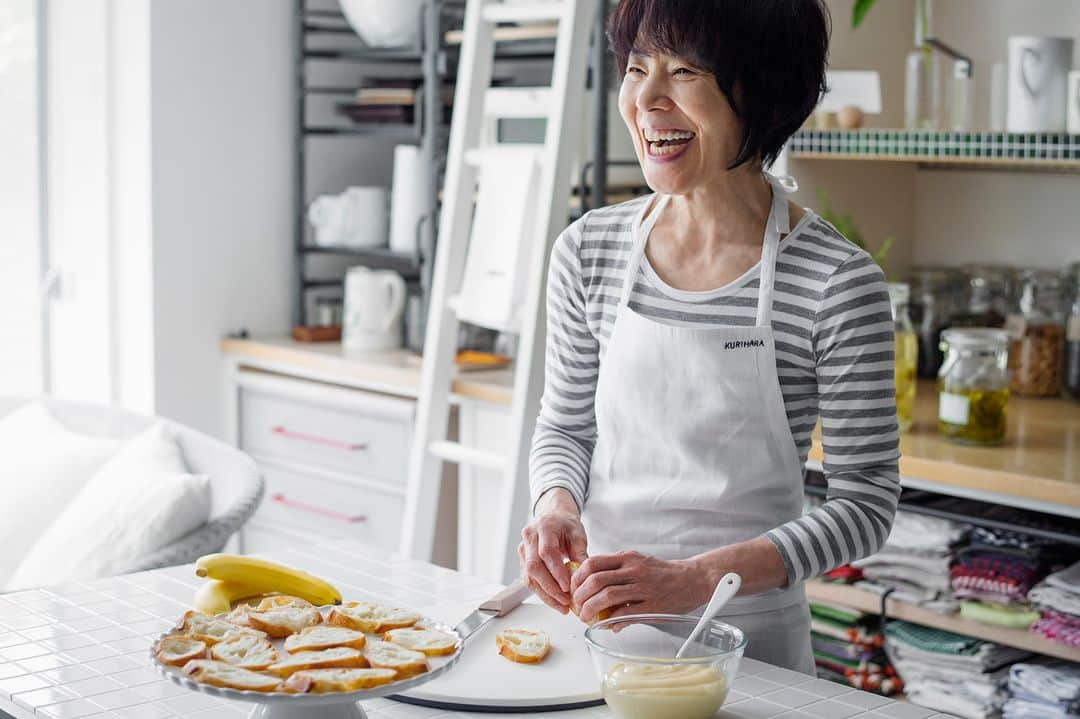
858	13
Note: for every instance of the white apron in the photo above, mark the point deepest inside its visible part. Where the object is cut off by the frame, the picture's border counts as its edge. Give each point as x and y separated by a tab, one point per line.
694	451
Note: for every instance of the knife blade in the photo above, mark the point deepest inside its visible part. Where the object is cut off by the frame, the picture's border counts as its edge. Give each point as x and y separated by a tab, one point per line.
498	606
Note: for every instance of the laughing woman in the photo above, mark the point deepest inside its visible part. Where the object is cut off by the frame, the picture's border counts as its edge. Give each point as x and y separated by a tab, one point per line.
696	335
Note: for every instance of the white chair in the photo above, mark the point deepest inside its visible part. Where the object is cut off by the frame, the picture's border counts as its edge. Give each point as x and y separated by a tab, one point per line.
237	485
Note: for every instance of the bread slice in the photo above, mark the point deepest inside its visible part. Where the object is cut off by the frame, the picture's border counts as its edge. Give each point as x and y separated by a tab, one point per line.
523	646
334	658
321	681
279	601
210	629
406	662
283	621
245	650
220	674
323	636
176	650
601	615
371	618
426	641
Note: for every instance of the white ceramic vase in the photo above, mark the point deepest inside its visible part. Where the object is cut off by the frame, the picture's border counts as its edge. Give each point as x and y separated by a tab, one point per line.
385	23
1038	83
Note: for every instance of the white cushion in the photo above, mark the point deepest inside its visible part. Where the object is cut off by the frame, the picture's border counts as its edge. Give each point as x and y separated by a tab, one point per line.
142	500
43	465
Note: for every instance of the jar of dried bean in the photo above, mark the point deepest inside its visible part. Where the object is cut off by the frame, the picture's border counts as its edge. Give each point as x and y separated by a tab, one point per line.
1072	335
973	385
1037	333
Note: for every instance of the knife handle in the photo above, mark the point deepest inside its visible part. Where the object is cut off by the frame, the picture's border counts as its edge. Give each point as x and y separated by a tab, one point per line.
508	599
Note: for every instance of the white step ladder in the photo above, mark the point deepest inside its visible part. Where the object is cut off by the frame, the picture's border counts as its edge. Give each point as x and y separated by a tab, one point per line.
475	104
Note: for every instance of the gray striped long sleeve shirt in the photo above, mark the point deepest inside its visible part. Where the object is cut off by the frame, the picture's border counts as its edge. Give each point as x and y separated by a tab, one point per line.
834	356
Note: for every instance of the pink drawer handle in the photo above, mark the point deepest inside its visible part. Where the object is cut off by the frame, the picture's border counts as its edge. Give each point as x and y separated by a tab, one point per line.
282	432
293	504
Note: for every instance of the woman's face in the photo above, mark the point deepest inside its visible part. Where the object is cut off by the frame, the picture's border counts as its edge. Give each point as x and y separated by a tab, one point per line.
684	130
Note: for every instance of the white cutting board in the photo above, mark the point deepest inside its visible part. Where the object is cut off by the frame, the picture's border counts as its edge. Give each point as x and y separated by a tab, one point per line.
483	678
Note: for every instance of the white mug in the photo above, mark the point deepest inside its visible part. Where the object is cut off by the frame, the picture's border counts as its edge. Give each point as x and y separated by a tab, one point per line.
374	305
1074	102
358	217
1038	83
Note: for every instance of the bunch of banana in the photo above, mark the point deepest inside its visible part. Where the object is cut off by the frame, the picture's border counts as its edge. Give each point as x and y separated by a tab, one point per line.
234	577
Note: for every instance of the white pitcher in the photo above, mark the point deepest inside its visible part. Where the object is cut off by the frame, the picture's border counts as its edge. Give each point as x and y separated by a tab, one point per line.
374	305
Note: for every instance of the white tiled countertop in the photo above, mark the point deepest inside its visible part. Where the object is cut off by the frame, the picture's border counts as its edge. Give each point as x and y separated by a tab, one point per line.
82	649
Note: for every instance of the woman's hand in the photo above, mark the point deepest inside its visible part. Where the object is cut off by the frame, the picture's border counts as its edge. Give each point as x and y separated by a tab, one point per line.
554	535
632	583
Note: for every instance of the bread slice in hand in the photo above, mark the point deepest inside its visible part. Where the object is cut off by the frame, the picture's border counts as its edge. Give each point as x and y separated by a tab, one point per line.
426	641
334	658
210	629
220	674
371	618
324	636
283	621
245	650
601	615
523	646
321	681
406	662
176	651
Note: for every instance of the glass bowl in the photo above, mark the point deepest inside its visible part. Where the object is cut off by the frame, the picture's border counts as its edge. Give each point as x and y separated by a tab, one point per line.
640	678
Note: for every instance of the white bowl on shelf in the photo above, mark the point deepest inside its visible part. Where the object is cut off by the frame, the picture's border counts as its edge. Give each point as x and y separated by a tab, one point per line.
385	23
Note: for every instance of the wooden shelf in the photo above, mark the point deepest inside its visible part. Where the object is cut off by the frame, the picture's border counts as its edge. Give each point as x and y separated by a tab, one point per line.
1038	466
865	601
1047	152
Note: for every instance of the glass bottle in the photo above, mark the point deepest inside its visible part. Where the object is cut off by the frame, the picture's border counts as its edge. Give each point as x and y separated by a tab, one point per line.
973	386
1072	335
1037	331
987	296
934	300
922	91
907	354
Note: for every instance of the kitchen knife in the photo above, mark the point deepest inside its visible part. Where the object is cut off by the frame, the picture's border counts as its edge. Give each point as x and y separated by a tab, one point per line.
498	606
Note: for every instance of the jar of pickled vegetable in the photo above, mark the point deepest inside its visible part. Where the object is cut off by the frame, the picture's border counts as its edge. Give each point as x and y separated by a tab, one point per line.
935	294
1072	335
973	385
907	354
1037	331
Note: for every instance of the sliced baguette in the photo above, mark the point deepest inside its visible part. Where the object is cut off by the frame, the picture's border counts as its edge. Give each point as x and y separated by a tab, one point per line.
321	681
278	601
601	615
334	658
283	621
523	646
426	641
245	650
323	636
220	674
176	651
406	662
210	629
371	618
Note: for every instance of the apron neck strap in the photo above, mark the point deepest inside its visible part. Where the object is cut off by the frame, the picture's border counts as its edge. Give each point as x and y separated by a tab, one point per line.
640	230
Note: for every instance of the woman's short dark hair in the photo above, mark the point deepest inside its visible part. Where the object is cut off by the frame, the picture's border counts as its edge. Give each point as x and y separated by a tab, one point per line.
768	57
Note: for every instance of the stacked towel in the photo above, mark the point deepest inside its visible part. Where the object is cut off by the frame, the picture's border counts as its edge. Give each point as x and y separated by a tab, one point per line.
1049	690
848	649
1058	599
950	672
914	562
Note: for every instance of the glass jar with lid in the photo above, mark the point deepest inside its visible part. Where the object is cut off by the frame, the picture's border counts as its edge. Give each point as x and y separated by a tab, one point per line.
973	385
987	293
934	300
1072	334
907	354
1037	331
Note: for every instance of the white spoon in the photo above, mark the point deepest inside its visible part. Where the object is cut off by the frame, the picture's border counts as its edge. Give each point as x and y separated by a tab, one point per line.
726	589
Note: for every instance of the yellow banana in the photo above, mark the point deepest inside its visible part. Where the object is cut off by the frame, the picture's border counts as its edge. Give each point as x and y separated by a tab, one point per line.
260	576
217	597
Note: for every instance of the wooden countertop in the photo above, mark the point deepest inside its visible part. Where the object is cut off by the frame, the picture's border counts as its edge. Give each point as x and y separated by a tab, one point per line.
395	371
1039	461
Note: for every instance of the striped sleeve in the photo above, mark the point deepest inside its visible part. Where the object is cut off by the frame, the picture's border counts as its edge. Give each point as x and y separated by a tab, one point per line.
565	433
853	352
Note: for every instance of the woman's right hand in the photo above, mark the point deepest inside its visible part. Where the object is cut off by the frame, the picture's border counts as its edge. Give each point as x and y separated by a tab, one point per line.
554	535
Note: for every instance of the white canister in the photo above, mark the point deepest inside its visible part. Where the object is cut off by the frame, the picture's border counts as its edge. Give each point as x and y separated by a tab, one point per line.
357	218
1074	102
409	198
374	304
1038	83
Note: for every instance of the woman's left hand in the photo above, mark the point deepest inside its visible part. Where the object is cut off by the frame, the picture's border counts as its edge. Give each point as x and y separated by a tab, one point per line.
632	583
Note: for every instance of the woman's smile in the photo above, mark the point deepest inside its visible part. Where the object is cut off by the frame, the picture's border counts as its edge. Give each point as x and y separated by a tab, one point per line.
666	145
